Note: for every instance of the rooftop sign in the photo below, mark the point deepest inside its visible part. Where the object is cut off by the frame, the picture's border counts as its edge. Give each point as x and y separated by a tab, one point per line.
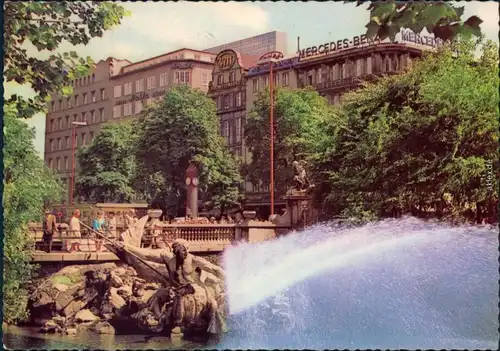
226	59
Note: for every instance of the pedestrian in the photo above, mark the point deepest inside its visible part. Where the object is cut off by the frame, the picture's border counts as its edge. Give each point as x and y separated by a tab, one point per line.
49	227
74	231
111	224
98	224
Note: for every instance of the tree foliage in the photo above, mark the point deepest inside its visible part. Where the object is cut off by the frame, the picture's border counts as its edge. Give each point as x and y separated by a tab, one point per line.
184	127
441	18
28	184
107	166
421	142
299	117
45	25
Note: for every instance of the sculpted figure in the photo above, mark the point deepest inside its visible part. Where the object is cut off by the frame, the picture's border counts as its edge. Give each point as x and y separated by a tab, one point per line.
300	175
196	291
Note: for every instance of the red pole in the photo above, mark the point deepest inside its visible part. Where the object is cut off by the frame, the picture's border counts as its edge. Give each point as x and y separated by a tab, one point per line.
72	186
271	129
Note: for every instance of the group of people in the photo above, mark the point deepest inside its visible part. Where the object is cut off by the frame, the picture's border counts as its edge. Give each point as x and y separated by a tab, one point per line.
102	226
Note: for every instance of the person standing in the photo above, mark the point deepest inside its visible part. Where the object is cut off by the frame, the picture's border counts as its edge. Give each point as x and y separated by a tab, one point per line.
74	231
112	224
49	227
98	225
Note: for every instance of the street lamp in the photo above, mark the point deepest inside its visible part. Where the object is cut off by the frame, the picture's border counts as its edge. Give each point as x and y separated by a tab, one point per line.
72	190
271	59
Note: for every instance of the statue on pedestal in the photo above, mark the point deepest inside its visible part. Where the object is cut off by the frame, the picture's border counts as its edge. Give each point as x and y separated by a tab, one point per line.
300	176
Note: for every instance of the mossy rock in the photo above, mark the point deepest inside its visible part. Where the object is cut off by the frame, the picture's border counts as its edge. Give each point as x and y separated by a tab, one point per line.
69	280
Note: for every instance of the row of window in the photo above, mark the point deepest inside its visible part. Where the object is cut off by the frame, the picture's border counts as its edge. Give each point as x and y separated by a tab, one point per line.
80	140
90	117
232	78
57	164
83	81
130	108
285	80
75	100
180	77
228	101
231	131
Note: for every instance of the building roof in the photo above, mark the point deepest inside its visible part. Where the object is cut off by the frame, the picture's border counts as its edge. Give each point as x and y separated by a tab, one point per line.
248	61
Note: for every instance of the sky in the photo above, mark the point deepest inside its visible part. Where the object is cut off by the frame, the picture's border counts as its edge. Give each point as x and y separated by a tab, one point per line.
155	28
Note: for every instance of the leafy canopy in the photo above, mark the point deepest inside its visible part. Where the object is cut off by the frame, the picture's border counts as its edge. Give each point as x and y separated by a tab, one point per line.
184	127
108	166
441	18
40	27
299	116
28	184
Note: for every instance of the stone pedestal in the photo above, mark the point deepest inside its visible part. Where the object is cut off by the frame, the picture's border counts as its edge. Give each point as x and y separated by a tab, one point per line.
299	213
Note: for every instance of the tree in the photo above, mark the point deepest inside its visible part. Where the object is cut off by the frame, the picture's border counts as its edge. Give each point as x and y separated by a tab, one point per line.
45	25
421	142
28	184
108	166
299	117
184	127
440	18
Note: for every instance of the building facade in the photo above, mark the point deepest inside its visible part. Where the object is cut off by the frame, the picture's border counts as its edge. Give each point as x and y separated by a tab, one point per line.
257	45
90	103
142	83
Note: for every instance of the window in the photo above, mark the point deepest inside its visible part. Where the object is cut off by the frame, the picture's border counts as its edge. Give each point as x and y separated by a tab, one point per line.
238	99
266	81
59	144
226	102
85	99
92	95
51	144
163	79
181	77
127	109
117	111
68	102
66	139
256	85
60	104
151	83
66	119
84	139
84	117
225	130
50	163
220	79
231	77
118	91
237	151
53	126
93	77
53	106
66	163
75	118
127	88
276	79
204	78
138	107
91	136
218	102
92	116
149	101
103	94
77	100
238	131
58	163
102	118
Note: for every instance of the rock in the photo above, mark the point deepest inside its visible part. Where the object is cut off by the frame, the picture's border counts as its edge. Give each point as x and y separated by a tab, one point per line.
152	286
85	316
116	300
70	331
116	281
61	287
103	328
120	271
50	327
72	308
125	292
60	321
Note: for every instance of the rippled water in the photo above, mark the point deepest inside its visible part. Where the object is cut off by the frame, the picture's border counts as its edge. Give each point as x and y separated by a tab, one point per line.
393	284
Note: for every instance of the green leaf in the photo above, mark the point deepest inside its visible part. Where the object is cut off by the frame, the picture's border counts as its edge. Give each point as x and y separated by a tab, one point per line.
372	29
383	10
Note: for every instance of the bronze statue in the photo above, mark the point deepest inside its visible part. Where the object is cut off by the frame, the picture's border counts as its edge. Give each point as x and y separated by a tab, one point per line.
300	176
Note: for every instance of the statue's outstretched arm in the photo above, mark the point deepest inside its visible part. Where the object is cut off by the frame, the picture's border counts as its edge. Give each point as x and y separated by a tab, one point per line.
148	254
208	266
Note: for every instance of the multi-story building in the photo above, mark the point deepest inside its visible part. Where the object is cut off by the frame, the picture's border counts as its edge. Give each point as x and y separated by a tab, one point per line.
257	45
89	103
139	84
228	89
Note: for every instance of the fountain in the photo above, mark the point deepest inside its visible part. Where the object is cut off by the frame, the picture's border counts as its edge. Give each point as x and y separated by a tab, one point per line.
395	284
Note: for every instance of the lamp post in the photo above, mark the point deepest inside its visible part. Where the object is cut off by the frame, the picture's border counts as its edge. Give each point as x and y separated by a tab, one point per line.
271	58
72	186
